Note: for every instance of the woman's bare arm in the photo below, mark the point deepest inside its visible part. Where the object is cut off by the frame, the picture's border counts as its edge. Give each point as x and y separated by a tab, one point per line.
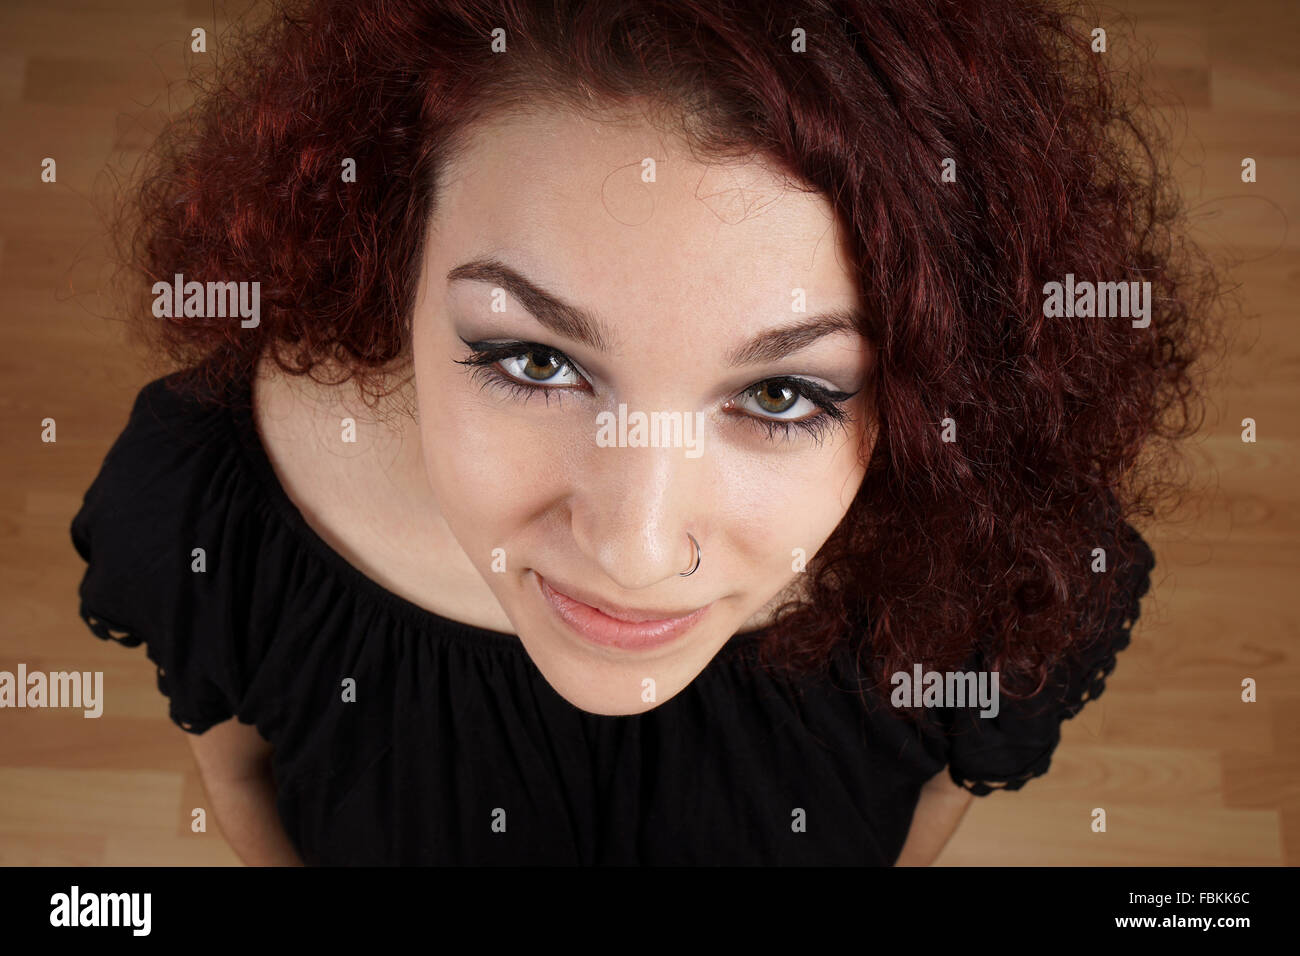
937	815
235	765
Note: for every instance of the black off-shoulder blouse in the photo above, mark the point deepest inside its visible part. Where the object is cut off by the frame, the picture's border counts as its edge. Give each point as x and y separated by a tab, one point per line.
456	750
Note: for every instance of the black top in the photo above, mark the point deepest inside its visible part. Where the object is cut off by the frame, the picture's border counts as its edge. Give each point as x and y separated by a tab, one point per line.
456	749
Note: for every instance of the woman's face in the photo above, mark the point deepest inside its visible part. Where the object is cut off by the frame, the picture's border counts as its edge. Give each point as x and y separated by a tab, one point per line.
707	303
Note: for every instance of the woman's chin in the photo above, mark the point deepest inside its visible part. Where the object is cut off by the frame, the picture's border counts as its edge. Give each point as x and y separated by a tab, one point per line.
611	682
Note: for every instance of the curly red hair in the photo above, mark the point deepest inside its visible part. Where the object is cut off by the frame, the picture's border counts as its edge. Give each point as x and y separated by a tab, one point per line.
983	543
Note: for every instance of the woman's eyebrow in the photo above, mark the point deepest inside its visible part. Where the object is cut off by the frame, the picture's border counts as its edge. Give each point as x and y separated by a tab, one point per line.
550	310
580	325
776	344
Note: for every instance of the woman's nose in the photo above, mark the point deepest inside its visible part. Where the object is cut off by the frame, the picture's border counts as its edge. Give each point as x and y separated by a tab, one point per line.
633	509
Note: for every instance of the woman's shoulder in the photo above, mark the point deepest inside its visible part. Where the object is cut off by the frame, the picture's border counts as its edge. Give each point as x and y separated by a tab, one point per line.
196	447
161	547
176	435
352	476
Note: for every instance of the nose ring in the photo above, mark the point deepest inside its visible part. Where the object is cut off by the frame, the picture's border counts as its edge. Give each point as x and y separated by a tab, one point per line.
698	556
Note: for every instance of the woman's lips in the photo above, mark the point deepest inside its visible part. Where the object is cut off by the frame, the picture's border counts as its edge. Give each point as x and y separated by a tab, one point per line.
600	628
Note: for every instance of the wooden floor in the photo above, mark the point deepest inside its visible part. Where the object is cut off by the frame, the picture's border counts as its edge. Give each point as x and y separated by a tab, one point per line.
1187	773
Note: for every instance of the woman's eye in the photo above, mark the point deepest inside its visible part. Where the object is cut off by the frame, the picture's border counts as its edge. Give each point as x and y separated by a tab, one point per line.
782	406
779	400
534	366
521	368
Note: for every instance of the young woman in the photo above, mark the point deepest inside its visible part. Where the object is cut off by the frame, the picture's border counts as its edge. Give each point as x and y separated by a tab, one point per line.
641	432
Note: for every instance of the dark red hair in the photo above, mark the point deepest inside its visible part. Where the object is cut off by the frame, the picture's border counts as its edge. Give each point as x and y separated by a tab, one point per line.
948	547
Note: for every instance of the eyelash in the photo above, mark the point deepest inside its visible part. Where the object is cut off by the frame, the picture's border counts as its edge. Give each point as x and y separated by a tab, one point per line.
485	356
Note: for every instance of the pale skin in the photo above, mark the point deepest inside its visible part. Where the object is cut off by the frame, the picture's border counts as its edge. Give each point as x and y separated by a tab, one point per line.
680	275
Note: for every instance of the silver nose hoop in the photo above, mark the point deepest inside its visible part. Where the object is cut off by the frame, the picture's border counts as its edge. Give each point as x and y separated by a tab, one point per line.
699	556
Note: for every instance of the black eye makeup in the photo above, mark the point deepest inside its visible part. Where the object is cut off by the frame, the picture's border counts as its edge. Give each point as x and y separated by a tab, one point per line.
523	369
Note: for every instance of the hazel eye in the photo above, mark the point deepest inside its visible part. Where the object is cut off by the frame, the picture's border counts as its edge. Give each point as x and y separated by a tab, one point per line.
536	366
778	399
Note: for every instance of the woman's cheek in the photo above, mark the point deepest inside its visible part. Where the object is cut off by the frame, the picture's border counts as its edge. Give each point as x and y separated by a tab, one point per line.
803	510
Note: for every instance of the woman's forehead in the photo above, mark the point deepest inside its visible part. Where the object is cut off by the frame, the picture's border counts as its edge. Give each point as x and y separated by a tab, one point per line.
634	209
